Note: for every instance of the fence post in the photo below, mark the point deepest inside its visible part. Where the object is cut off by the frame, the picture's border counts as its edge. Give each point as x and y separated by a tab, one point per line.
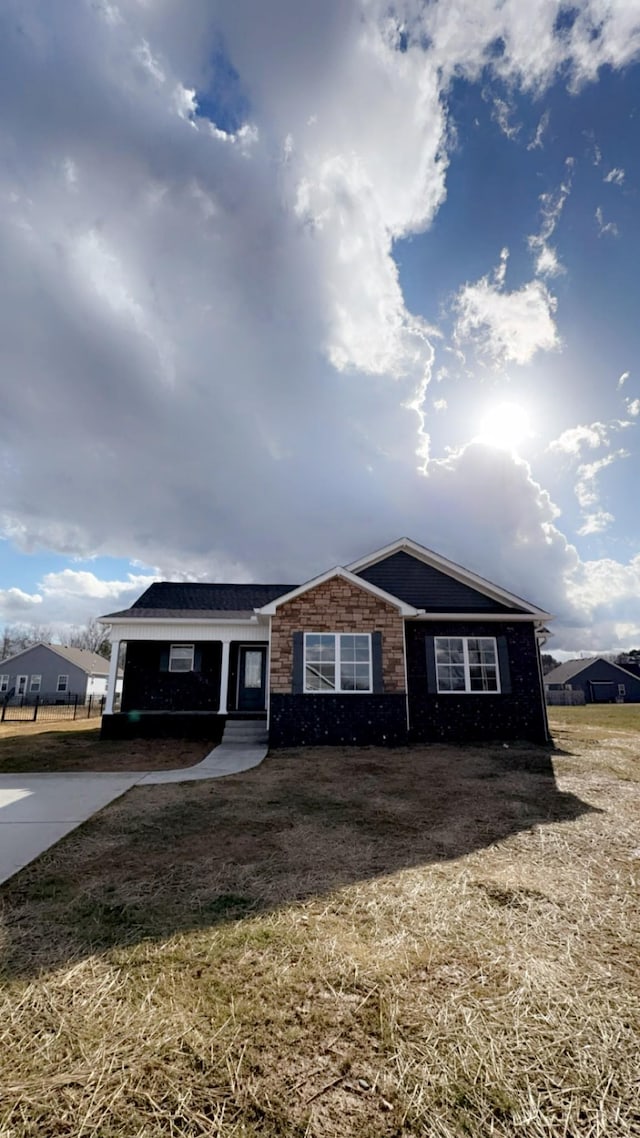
89	707
35	708
75	707
103	700
4	708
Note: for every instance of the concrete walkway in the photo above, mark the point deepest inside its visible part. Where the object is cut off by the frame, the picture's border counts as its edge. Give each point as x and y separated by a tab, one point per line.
37	810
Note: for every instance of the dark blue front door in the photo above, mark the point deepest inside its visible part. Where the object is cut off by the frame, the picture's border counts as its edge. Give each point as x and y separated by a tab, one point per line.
252	678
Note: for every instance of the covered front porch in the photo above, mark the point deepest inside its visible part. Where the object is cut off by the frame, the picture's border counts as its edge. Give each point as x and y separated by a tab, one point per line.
187	679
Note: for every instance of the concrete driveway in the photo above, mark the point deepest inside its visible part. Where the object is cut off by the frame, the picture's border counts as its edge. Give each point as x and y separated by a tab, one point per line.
37	810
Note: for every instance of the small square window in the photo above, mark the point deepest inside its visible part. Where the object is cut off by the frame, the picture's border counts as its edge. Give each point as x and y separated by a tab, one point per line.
181	658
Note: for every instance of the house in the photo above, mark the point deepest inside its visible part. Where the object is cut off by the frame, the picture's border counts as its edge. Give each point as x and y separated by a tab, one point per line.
402	645
54	674
598	679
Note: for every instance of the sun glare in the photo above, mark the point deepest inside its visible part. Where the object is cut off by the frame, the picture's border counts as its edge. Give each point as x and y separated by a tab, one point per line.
506	426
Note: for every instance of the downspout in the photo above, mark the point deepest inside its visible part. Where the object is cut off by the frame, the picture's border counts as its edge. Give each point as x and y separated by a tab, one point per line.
541	638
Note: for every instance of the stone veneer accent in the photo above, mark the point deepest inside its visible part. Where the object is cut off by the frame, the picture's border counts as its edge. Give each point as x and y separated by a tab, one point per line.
337	606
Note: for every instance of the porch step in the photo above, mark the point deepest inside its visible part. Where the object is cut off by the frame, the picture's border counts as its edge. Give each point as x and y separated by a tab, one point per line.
245	731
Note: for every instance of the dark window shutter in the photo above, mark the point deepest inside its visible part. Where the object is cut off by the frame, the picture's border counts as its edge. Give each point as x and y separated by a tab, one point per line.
503	660
376	662
164	660
430	648
197	659
297	679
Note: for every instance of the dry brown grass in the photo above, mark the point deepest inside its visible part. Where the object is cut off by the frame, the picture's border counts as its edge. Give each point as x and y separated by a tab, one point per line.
27	747
432	942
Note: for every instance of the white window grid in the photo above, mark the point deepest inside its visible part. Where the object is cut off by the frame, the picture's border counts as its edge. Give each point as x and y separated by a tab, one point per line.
482	657
36	683
181	657
4	683
344	660
63	683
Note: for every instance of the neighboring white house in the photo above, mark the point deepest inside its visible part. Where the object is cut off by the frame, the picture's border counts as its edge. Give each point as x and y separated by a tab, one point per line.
54	674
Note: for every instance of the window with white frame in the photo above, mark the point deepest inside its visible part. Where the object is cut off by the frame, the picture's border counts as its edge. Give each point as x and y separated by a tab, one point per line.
181	657
63	683
337	662
467	664
36	683
4	683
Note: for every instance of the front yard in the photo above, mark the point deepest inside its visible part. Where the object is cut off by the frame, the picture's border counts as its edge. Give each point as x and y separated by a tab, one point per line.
432	941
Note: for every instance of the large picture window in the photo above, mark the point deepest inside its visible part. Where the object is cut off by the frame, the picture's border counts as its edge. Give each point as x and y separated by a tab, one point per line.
466	664
337	662
181	658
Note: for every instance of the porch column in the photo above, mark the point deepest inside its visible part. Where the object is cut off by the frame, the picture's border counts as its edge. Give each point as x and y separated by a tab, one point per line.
113	675
224	678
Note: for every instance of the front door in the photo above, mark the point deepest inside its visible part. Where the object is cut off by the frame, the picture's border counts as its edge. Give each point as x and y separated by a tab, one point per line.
252	678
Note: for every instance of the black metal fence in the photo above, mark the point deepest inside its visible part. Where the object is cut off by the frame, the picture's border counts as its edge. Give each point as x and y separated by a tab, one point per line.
26	709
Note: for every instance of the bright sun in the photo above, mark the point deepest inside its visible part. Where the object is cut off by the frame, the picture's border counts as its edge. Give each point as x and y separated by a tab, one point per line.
506	425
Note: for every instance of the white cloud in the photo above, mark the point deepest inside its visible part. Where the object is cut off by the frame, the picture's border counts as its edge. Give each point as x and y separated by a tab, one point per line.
536	141
616	175
633	407
551	207
623	378
440	404
506	327
575	439
596	519
605	228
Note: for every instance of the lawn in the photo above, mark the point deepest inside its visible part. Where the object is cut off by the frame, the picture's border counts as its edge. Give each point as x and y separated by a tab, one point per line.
27	747
431	941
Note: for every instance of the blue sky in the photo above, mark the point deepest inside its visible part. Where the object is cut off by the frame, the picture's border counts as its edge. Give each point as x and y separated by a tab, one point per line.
284	285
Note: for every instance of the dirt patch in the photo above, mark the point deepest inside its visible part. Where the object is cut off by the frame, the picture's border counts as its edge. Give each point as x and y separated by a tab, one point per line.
78	747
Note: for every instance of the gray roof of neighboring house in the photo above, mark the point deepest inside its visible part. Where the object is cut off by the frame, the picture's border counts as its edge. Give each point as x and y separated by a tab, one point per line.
90	662
184	600
565	672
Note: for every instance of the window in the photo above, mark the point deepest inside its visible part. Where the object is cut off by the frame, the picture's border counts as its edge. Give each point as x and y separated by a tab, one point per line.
466	664
63	683
253	669
4	683
36	683
181	658
337	661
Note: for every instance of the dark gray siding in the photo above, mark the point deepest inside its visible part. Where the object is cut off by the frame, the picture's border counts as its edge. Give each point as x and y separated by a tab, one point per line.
334	720
41	660
150	686
483	717
406	577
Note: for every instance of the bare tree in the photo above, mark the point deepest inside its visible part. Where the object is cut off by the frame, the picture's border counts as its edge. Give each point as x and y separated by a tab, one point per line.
91	636
17	637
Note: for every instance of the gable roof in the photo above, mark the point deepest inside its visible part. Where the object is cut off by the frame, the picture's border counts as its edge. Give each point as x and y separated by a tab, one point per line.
451	569
180	599
565	672
346	575
90	662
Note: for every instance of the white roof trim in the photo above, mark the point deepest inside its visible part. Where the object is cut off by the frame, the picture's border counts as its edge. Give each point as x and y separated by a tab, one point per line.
346	575
504	617
458	572
172	620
